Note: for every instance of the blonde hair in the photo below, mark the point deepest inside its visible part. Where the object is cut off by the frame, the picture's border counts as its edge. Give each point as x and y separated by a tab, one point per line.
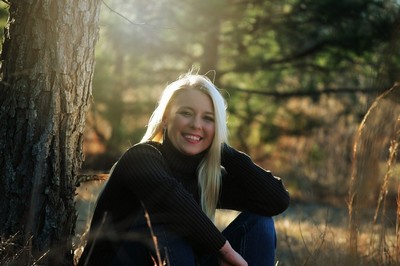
209	170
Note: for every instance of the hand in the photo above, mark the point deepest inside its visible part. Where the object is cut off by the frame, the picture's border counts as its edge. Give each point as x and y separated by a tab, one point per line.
229	257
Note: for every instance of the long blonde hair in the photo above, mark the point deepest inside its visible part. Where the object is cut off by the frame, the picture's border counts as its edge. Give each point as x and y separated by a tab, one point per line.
209	170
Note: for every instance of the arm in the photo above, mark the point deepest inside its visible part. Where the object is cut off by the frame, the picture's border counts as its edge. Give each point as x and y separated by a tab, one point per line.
247	186
143	171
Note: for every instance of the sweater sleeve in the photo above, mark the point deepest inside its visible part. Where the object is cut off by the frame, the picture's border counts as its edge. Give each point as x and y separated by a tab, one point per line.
143	171
247	186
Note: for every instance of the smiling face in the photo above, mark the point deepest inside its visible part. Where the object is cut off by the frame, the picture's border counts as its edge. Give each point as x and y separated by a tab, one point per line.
190	121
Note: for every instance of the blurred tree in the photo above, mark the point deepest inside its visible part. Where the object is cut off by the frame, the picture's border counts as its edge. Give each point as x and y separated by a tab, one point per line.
46	78
289	69
293	46
3	19
140	51
264	46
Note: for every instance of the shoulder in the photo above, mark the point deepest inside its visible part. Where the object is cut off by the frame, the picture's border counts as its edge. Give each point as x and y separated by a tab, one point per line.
144	150
146	146
142	157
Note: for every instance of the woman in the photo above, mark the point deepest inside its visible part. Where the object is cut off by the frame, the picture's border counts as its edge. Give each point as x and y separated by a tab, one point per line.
170	184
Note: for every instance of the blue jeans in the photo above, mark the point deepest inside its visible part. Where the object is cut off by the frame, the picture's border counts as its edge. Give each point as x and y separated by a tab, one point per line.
252	236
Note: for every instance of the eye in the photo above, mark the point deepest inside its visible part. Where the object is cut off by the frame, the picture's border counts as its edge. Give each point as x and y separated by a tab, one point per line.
185	113
209	118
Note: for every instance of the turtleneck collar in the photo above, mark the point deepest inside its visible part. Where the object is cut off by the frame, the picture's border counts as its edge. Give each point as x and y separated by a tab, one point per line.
178	161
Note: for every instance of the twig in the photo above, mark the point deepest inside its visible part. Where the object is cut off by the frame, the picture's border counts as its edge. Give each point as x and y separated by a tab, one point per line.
96	237
82	178
354	181
289	245
305	245
153	236
306	93
40	258
122	16
398	227
316	248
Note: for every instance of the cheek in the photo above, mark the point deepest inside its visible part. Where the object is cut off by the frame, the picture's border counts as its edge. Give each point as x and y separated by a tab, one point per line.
175	124
210	129
178	122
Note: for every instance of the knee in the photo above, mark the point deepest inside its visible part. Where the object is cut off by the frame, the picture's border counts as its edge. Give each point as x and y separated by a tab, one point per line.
253	226
257	220
266	222
173	248
263	227
269	225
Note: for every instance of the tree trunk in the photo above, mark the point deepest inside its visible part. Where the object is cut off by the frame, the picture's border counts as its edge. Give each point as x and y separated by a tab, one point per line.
47	68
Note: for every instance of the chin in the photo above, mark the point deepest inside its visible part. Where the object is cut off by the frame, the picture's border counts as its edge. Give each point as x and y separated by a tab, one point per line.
191	152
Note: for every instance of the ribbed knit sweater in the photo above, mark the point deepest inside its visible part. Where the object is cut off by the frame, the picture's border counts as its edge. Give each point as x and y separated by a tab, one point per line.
165	181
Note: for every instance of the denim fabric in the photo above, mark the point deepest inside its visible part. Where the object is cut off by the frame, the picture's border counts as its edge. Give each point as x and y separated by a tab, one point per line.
251	235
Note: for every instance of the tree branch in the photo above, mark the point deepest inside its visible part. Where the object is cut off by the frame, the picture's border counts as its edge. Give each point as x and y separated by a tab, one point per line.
306	93
122	16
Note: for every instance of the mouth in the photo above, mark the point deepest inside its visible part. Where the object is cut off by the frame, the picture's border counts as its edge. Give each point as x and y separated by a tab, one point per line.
192	138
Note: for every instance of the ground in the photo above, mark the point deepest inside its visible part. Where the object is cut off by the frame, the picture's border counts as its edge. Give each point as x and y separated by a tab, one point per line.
309	233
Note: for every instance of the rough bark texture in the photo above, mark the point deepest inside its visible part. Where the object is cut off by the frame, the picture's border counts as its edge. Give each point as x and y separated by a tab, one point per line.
47	68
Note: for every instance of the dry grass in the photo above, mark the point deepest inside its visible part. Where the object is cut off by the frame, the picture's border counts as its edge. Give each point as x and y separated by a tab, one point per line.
311	234
379	128
319	235
363	229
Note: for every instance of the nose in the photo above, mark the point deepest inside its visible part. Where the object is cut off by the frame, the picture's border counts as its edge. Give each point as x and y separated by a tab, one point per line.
196	122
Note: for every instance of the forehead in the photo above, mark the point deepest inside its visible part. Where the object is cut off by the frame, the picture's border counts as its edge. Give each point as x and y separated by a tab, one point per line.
193	98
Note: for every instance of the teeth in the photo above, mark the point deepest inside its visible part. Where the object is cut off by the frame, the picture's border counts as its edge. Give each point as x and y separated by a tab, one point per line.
192	137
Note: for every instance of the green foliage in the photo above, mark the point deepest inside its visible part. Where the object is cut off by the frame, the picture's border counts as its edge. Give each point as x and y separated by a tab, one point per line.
263	52
3	18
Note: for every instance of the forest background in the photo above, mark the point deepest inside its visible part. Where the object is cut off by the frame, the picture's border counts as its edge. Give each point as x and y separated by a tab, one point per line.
300	78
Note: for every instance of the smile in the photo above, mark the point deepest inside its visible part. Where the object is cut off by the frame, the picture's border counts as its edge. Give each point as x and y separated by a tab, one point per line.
192	138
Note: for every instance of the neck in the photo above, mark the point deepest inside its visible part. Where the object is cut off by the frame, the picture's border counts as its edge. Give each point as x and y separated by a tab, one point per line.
181	162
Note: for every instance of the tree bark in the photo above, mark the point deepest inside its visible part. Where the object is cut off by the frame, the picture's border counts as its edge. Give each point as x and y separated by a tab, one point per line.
47	68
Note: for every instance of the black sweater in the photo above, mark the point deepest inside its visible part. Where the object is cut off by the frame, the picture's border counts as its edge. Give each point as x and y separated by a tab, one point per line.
165	181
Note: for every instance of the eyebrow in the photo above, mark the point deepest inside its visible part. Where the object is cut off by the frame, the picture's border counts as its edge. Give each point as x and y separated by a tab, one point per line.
188	107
